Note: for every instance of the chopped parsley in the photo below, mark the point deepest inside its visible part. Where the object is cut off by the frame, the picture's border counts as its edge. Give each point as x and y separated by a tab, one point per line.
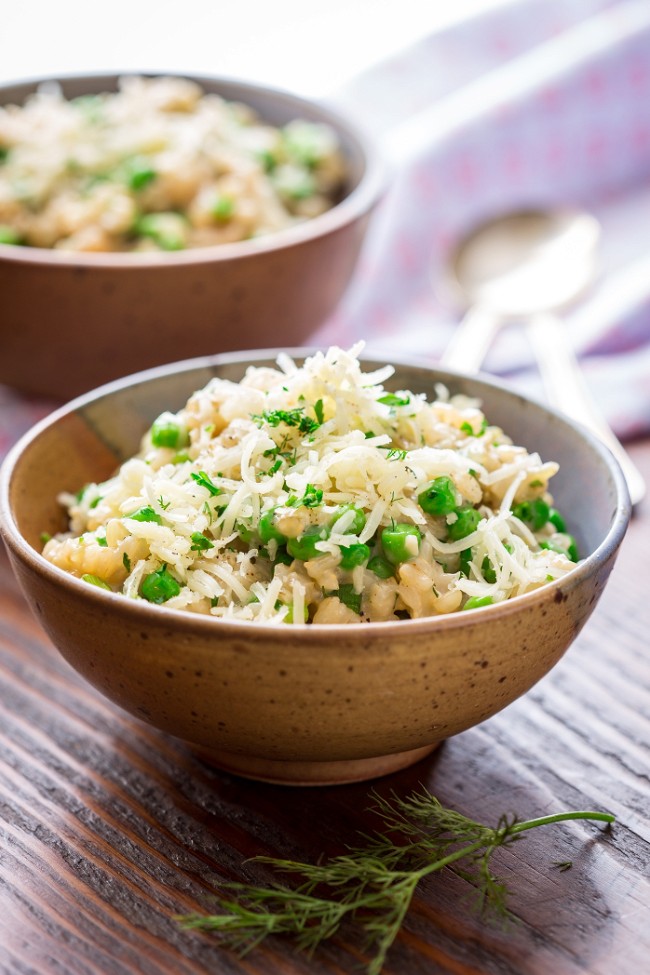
467	428
348	597
291	418
200	543
390	399
203	479
312	498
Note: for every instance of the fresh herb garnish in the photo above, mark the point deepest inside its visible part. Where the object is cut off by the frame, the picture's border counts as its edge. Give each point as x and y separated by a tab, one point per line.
312	498
318	410
200	543
146	514
394	453
347	595
469	429
126	562
373	885
291	418
390	399
203	479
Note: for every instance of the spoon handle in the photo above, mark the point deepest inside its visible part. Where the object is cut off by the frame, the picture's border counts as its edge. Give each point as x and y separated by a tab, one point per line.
566	389
471	340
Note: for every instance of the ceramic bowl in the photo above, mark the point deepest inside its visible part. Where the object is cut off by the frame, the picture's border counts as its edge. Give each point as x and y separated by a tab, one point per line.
319	704
73	321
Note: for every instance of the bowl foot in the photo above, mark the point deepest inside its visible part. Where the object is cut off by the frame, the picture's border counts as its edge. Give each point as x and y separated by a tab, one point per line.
312	773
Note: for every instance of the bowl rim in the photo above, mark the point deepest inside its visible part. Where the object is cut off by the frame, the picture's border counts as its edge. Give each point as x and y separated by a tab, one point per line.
356	203
324	632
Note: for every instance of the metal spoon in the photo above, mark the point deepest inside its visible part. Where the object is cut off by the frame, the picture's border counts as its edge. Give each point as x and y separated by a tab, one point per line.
525	266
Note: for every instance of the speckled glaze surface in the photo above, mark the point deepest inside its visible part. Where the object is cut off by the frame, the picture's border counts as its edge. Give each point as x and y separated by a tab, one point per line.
311	705
73	321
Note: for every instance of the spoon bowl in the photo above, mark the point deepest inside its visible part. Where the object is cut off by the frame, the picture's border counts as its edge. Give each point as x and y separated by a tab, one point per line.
529	265
527	262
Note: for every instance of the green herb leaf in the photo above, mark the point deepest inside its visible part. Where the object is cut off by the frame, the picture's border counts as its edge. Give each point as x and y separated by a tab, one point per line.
291	418
390	399
203	479
469	429
146	514
200	543
346	593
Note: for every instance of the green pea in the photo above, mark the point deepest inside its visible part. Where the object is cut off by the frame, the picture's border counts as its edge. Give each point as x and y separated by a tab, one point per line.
400	543
465	559
533	513
146	514
267	160
306	142
139	173
465	524
488	570
223	208
358	522
267	530
304	547
166	431
8	235
556	520
569	548
439	498
159	586
475	602
381	567
354	555
181	457
96	581
167	230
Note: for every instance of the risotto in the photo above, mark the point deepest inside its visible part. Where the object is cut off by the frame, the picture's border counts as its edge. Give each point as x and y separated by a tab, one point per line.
157	166
313	495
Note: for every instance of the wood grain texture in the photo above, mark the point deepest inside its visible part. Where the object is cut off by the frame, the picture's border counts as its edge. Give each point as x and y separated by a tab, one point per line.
108	828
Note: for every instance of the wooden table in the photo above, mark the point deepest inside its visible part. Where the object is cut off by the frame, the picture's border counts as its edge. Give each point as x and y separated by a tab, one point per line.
109	829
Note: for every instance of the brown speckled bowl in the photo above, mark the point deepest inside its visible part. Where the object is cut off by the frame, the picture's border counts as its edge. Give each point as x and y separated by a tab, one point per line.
321	704
72	321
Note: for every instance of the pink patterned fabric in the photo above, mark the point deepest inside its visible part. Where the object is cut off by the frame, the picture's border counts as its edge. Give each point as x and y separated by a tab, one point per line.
535	102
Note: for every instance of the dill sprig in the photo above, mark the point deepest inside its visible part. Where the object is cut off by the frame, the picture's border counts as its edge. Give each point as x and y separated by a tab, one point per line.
373	885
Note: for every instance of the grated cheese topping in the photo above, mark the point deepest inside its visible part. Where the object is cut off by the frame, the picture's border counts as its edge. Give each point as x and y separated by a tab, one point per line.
312	494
